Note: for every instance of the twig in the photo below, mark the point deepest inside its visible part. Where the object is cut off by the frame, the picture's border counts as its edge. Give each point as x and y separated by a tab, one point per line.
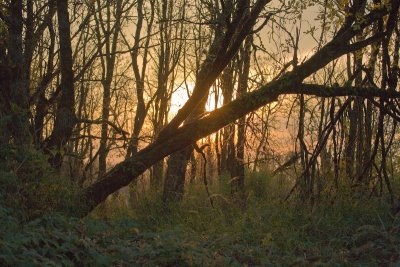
200	151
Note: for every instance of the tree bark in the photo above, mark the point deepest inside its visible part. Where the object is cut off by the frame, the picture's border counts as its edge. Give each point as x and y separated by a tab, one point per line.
141	110
289	83
238	173
65	115
222	50
108	65
228	143
17	94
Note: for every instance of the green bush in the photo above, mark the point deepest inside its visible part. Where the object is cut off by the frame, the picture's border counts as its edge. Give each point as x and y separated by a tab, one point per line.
31	186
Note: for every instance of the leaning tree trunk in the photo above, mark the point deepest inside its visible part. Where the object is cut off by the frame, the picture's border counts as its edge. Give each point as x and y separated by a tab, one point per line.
227	41
174	184
177	162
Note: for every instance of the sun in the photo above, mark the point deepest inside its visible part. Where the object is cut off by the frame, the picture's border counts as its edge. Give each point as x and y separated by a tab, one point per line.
180	96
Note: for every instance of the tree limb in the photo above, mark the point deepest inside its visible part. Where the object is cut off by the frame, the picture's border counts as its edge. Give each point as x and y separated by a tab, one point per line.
125	172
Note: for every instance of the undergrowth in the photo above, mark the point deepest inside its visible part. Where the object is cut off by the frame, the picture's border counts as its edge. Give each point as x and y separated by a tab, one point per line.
264	231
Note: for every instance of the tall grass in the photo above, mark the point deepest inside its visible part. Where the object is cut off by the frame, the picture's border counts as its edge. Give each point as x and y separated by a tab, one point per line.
269	231
264	231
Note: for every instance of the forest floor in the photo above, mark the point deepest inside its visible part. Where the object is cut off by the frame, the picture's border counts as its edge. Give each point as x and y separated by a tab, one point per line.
264	231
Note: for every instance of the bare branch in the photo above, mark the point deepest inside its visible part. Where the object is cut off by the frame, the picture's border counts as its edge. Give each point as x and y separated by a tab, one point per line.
100	121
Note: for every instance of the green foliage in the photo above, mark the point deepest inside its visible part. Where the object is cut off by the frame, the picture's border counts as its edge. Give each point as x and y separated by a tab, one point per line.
270	232
48	241
267	232
30	185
